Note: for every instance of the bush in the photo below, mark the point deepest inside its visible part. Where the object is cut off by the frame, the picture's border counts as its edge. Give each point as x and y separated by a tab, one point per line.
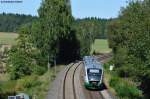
113	81
106	66
38	70
124	90
126	71
27	82
7	87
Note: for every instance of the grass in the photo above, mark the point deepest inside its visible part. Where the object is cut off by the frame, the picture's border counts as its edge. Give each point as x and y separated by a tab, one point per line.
45	81
100	46
8	38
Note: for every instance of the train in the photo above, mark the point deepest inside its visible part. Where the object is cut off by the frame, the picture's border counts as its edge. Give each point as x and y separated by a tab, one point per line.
93	73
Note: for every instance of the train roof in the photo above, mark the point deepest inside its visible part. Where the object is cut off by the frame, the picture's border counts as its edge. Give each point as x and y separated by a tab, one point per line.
91	62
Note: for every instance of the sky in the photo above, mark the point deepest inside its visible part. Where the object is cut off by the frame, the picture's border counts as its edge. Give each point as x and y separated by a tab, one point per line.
80	8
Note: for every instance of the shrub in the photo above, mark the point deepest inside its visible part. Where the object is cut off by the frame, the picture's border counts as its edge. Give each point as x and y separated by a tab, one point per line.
125	71
124	89
106	66
113	81
8	87
28	82
129	91
38	70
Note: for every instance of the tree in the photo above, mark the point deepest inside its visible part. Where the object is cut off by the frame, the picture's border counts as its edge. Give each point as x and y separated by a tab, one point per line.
20	61
131	31
87	30
54	24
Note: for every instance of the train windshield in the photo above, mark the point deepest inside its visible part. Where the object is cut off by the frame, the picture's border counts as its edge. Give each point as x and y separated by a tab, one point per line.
94	74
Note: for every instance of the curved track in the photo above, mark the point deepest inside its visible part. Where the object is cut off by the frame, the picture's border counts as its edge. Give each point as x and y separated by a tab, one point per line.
70	77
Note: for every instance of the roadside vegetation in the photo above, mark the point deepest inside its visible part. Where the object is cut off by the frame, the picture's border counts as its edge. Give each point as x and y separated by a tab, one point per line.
129	38
30	84
121	88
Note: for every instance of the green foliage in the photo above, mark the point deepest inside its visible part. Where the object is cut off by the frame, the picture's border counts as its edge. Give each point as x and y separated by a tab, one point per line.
20	61
28	82
125	71
8	87
131	32
32	85
19	64
38	70
113	81
120	56
125	90
88	30
12	22
52	27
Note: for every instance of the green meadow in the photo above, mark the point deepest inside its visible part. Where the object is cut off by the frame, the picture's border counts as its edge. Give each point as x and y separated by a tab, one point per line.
100	46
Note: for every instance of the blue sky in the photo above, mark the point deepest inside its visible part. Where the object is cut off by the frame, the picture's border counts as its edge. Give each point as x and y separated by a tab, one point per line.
80	8
26	7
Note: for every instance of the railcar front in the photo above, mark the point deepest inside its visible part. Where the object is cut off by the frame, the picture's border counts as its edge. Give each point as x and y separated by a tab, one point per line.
94	78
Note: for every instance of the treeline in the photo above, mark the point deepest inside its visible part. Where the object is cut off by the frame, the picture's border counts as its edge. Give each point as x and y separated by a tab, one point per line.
93	25
55	37
129	37
11	22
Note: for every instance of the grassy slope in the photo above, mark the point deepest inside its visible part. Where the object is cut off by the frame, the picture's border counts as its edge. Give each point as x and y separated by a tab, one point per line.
8	38
100	46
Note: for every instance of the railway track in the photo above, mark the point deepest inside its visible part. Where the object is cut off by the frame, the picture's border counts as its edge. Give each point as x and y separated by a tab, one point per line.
91	94
69	90
70	83
104	57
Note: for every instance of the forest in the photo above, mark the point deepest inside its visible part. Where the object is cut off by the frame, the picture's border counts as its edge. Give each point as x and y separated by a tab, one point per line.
12	22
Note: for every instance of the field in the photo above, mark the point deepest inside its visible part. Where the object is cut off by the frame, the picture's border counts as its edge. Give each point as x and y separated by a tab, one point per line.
100	46
8	38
